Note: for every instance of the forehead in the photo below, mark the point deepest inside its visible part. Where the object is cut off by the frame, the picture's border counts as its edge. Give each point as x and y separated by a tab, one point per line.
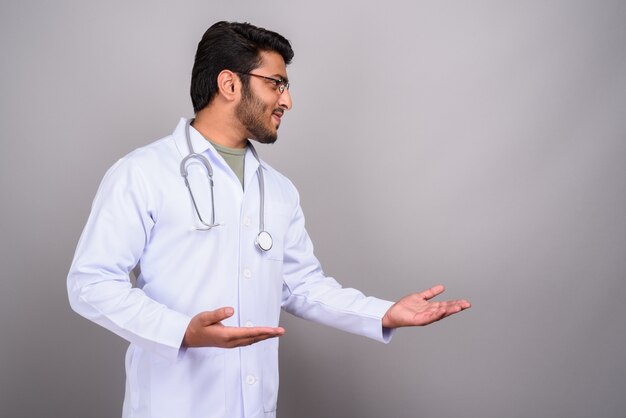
272	63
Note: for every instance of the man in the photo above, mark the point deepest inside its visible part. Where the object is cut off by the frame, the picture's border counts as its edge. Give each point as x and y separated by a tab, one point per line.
220	242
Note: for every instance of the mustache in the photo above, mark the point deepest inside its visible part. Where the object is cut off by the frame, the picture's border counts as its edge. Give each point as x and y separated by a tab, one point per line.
279	111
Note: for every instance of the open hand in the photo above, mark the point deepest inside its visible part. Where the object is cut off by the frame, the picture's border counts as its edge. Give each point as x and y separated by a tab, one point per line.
417	310
206	330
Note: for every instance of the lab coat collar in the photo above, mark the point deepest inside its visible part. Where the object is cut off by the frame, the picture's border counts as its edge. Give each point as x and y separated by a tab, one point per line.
201	145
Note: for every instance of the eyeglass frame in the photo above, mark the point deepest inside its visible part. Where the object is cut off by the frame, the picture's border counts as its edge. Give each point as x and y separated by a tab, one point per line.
280	83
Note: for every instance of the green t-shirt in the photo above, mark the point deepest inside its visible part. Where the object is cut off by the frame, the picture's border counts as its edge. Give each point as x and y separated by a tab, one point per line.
234	157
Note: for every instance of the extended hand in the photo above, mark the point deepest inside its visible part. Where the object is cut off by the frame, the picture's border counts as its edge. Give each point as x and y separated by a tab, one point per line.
417	310
206	330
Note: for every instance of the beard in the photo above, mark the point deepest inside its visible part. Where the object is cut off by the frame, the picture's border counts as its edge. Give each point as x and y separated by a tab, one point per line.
252	113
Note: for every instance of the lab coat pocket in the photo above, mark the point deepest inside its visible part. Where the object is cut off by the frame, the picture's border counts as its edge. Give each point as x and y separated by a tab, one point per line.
277	223
270	376
276	252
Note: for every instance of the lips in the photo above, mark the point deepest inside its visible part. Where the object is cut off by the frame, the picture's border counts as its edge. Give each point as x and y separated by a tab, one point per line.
278	113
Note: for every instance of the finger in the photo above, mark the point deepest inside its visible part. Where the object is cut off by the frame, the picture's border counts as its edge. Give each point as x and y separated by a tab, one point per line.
208	318
453	307
464	304
432	292
234	333
450	305
253	340
237	337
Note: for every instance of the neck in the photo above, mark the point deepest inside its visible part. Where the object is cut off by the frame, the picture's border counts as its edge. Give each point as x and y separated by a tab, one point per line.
219	128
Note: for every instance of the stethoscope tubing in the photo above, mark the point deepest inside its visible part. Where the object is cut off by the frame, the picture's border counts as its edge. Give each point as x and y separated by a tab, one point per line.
264	239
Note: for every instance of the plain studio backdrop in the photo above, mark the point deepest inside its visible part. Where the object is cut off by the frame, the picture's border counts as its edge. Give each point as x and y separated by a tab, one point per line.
479	144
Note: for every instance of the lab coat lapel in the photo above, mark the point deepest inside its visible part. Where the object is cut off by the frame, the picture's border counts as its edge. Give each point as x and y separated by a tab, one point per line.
250	167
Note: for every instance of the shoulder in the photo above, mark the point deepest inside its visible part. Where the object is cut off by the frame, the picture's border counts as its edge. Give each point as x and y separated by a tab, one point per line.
152	158
155	152
144	171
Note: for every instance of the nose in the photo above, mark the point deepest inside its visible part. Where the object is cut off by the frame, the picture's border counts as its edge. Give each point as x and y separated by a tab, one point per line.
285	100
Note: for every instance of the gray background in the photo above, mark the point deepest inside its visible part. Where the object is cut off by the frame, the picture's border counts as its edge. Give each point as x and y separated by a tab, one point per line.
481	144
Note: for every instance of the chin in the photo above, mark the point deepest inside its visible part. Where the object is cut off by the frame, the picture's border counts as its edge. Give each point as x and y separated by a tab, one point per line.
267	140
266	137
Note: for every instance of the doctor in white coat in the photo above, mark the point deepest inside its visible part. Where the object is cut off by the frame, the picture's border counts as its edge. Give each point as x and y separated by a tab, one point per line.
221	246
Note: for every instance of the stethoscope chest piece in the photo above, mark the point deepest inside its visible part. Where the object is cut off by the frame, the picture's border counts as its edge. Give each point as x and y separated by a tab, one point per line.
264	241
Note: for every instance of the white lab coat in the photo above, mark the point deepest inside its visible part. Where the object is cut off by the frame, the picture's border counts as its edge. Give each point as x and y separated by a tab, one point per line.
142	214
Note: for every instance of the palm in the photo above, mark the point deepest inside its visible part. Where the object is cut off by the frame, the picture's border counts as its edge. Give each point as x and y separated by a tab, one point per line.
418	310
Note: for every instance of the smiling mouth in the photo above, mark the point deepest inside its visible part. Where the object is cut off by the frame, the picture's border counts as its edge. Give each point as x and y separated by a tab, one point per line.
278	114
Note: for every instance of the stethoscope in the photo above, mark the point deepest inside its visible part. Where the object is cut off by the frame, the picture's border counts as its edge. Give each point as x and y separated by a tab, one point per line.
263	239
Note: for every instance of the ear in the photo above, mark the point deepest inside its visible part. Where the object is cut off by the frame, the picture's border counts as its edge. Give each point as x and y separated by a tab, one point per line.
228	85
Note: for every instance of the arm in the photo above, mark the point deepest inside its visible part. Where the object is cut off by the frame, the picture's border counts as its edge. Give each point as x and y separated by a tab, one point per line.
311	295
118	228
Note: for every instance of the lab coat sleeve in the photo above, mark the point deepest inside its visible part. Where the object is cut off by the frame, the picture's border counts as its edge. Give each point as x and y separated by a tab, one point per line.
309	294
110	246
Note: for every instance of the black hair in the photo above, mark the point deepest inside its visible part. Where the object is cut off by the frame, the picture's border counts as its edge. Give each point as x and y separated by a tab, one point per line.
232	46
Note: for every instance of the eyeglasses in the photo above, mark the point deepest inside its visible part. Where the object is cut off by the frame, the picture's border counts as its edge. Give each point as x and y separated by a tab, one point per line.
280	83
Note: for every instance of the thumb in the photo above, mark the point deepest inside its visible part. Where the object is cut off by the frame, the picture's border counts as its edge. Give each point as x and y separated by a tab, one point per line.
213	317
432	292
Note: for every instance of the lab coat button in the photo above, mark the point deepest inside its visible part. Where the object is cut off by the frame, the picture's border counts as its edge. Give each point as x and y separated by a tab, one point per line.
246	221
249	324
251	380
247	273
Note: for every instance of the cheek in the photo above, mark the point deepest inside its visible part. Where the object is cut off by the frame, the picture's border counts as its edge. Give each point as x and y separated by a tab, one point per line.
260	106
265	104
